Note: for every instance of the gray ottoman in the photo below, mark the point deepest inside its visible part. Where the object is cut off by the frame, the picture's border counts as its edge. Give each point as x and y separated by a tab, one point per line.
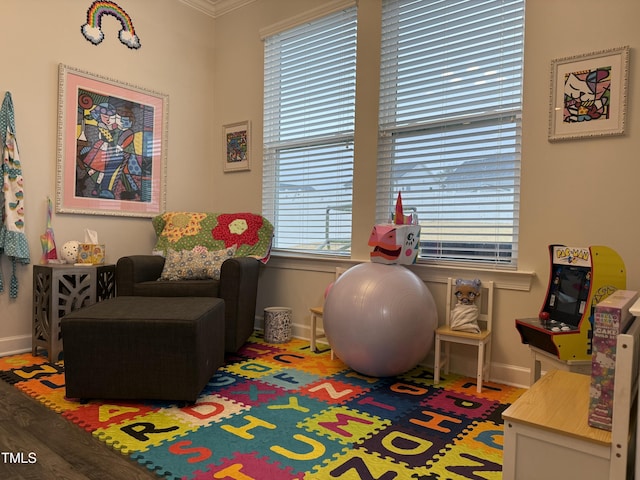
143	347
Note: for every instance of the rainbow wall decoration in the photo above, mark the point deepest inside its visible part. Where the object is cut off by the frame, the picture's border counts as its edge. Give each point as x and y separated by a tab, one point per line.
92	30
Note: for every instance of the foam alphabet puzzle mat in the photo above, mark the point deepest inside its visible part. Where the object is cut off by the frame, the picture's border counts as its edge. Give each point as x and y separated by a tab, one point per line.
281	411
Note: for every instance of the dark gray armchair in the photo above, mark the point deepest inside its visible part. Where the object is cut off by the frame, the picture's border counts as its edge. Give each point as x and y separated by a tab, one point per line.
138	275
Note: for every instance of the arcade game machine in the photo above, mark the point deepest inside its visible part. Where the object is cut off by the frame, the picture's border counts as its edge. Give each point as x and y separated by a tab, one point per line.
579	279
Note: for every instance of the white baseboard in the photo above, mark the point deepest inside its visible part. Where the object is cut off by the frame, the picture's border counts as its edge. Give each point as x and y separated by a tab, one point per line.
15	345
510	375
501	373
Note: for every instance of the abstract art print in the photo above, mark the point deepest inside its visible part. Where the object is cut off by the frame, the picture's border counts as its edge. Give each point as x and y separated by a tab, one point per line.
236	143
111	146
589	95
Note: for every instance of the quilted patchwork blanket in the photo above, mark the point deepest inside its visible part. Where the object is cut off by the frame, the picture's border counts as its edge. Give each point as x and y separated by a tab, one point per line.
251	233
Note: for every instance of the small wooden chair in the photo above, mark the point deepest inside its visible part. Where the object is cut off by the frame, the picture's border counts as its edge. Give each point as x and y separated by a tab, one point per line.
317	313
481	340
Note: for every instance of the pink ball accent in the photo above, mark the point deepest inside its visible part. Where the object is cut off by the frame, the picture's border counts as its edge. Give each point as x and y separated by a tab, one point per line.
328	289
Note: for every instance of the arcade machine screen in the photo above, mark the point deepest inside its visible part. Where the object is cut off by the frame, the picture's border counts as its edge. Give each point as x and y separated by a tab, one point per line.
567	299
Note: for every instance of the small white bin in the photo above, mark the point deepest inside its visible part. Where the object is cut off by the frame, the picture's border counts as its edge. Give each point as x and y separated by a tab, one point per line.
277	324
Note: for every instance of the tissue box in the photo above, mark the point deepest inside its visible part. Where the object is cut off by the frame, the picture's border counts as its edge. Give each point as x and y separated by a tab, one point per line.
91	253
611	318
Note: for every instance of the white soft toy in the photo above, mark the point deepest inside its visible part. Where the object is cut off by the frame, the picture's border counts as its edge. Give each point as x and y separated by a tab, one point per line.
464	315
70	251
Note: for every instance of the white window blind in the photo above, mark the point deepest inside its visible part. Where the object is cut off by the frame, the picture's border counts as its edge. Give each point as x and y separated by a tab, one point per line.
450	114
309	115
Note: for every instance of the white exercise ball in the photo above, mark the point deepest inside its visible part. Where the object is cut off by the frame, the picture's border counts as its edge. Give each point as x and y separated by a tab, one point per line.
380	319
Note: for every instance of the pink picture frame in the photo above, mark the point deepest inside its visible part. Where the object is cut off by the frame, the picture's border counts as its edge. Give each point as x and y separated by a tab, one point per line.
111	155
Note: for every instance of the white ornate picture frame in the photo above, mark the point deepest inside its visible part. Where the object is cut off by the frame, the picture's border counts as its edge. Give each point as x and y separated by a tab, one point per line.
589	95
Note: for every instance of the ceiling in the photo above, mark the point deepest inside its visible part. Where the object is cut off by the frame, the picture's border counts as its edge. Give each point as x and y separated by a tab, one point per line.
216	8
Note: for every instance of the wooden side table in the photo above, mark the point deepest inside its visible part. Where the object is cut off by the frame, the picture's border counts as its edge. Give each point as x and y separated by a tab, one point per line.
59	289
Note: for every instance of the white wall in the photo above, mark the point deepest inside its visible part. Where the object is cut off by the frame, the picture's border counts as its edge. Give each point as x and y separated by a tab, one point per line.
576	192
176	58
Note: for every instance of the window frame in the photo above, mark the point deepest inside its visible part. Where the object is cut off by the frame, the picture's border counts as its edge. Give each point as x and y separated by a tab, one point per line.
393	124
276	144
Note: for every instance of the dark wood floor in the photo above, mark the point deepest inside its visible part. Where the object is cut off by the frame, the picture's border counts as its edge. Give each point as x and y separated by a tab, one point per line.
60	449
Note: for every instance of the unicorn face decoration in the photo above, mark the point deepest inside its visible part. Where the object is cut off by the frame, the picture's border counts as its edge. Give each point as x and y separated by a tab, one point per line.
396	242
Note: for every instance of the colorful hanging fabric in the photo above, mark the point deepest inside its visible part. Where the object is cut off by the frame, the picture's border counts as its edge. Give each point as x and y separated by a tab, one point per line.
13	241
47	239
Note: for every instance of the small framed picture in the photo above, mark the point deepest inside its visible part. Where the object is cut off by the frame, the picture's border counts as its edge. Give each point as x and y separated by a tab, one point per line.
236	142
589	95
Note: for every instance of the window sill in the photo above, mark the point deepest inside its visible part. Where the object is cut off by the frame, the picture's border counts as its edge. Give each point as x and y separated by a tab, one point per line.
504	279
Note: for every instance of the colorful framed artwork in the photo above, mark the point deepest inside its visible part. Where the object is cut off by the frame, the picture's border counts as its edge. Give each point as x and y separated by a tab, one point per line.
112	146
236	142
589	95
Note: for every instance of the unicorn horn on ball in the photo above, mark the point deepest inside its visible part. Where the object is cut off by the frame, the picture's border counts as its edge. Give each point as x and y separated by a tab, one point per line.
400	218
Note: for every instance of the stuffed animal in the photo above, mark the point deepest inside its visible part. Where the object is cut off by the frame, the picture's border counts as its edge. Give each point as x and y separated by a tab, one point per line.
464	314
